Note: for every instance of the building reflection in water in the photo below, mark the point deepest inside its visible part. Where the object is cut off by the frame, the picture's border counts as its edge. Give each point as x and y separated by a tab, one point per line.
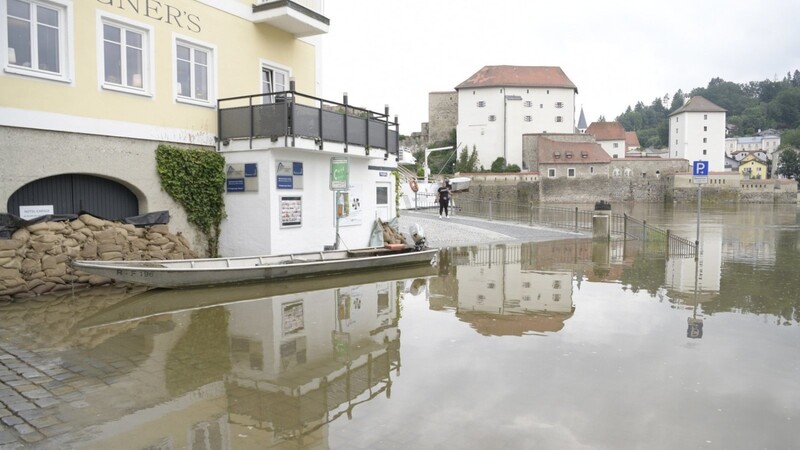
237	372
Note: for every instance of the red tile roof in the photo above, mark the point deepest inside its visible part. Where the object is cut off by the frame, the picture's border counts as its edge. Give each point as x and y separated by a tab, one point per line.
631	139
556	152
607	131
519	76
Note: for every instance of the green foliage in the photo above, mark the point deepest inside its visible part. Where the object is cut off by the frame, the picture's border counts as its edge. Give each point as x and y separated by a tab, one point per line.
195	178
499	166
467	162
789	165
753	106
397	192
791	138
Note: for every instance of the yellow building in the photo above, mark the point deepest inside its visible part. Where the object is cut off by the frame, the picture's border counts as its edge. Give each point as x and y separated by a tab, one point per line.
89	88
752	167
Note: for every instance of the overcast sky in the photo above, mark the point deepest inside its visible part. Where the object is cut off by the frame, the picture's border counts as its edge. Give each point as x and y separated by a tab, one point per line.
617	51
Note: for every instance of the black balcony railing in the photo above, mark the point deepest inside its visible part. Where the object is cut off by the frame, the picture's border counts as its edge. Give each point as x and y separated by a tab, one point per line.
289	115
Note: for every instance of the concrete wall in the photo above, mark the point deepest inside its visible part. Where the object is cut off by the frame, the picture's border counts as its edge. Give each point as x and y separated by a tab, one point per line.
34	260
36	154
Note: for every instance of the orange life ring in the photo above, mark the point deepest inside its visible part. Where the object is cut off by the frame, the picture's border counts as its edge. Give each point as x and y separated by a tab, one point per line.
413	185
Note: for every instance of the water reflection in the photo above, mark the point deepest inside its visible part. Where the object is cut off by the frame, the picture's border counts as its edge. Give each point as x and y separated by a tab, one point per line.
630	334
160	373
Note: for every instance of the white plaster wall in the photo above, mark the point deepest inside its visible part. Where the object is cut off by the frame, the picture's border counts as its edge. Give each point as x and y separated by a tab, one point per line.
253	218
686	138
474	127
608	146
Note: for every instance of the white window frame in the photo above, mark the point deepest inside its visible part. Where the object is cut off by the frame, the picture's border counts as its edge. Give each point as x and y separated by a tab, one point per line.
66	52
148	53
571	173
195	44
551	172
273	67
559	118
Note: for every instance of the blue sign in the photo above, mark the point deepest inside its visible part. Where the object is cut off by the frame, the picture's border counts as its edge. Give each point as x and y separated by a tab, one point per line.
285	182
700	168
251	170
234	185
297	168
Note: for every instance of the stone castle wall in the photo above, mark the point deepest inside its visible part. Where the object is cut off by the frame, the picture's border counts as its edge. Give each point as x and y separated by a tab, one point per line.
35	260
442	115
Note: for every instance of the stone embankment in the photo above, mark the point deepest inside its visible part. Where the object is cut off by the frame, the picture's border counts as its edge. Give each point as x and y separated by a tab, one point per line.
35	260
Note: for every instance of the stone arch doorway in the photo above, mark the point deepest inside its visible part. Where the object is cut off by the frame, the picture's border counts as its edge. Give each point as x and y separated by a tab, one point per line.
72	193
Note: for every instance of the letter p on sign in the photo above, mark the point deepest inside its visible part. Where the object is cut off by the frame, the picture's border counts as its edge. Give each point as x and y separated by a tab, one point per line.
700	168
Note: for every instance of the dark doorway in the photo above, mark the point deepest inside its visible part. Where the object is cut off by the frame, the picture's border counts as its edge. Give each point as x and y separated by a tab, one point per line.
72	193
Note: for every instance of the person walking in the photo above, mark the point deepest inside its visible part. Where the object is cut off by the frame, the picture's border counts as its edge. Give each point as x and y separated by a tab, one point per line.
443	195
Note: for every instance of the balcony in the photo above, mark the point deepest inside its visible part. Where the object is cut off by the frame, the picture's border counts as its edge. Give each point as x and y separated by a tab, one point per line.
291	119
291	17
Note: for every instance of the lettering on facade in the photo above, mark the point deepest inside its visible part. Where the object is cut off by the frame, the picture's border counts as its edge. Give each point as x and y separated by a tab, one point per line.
158	10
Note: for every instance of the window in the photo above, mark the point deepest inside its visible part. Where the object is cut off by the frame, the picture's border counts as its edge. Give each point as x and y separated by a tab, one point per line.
481	104
526	284
559	119
616	144
559	104
591	169
273	80
194	69
541	105
528	119
527	104
570	172
556	297
37	38
551	173
492	118
705	128
705	140
382	195
124	58
705	116
705	151
556	284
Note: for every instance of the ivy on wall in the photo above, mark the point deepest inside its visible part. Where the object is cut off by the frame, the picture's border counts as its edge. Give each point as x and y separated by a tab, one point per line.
397	193
195	178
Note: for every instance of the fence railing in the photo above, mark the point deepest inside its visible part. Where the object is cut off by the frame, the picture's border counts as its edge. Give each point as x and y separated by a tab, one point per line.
654	240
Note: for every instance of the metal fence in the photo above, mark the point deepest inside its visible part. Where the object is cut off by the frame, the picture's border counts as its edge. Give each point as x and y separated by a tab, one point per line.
654	240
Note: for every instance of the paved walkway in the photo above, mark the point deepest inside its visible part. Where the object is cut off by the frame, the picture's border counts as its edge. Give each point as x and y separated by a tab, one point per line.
460	230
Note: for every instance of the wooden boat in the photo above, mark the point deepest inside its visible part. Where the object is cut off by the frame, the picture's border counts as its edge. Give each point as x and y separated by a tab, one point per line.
181	273
157	302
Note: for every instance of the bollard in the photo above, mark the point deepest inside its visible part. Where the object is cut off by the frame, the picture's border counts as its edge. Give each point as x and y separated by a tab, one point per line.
601	220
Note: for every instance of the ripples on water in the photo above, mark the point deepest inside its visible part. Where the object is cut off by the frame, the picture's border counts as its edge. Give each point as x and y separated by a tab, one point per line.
565	344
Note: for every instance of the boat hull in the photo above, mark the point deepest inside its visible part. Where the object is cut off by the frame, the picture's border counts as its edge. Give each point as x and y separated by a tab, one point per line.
218	271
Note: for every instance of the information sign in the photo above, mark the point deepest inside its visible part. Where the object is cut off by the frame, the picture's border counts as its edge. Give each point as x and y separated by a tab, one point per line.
340	174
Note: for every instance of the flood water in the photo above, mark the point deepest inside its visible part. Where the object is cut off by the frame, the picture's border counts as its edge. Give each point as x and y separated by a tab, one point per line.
553	345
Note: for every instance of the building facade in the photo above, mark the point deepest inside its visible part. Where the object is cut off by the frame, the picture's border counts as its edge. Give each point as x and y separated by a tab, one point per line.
498	104
697	133
88	89
610	136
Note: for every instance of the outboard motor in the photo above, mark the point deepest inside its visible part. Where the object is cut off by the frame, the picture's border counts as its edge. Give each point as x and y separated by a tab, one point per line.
418	235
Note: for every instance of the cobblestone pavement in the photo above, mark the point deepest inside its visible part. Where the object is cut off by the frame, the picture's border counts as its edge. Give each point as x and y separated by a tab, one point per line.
459	231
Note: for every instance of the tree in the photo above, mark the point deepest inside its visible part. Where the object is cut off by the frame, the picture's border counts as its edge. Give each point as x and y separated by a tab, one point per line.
785	108
499	165
791	138
677	101
467	162
789	165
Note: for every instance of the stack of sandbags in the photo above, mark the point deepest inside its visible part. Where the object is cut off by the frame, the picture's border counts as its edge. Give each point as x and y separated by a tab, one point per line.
390	235
34	260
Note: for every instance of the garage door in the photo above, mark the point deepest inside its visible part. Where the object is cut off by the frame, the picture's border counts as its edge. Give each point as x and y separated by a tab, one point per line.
70	194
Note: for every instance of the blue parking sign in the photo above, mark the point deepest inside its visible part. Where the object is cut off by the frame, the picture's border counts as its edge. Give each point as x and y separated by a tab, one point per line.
700	168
